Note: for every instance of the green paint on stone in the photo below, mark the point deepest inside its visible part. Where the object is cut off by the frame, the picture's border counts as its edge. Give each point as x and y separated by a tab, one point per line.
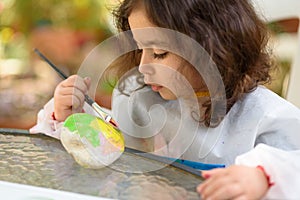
80	123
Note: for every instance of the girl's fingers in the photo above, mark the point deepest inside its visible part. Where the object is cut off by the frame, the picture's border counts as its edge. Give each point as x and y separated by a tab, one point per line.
72	92
69	96
210	186
207	175
241	197
216	180
71	99
77	82
225	191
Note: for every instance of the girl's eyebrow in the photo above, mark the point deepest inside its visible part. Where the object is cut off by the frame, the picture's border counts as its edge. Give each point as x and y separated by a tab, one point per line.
151	43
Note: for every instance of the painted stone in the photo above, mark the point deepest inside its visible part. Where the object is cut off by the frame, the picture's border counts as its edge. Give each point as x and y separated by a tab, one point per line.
92	142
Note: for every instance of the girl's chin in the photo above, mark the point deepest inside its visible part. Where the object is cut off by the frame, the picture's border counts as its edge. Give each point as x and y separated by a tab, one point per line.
167	95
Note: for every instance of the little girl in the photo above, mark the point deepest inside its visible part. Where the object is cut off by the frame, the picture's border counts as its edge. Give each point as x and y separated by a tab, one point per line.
254	133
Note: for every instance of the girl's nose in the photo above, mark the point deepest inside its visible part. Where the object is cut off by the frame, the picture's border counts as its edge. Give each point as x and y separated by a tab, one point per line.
145	66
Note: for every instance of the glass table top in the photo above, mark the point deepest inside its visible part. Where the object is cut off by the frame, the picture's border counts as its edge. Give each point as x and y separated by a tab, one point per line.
42	161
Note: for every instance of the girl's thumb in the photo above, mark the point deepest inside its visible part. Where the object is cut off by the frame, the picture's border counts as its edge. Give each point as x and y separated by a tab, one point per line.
87	81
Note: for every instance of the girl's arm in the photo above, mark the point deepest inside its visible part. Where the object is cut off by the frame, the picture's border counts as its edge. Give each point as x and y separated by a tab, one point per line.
282	166
276	177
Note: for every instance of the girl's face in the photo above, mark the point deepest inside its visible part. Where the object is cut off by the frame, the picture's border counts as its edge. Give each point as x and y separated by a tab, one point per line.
159	67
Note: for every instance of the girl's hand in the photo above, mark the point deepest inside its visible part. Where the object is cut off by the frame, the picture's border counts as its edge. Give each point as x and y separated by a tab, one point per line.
69	96
234	182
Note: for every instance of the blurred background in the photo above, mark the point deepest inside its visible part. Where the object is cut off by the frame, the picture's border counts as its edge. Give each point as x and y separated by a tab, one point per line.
63	30
66	31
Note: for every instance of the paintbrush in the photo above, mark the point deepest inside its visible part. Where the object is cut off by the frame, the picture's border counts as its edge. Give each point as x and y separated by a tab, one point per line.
104	115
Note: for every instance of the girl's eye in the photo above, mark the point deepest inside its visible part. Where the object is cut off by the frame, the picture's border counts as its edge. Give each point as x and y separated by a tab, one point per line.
160	56
155	55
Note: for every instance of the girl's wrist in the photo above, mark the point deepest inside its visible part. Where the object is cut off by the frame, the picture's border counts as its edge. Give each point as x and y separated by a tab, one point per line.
267	176
54	118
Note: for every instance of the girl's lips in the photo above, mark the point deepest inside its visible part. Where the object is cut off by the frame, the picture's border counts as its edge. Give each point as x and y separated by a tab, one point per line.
156	88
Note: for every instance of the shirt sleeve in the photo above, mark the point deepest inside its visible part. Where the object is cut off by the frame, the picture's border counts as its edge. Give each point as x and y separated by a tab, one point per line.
278	127
282	166
45	123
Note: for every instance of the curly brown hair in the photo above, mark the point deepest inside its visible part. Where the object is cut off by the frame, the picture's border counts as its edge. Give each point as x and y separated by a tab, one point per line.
229	30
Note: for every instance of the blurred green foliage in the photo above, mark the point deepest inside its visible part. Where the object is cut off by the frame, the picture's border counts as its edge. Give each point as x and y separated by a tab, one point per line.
24	15
18	18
